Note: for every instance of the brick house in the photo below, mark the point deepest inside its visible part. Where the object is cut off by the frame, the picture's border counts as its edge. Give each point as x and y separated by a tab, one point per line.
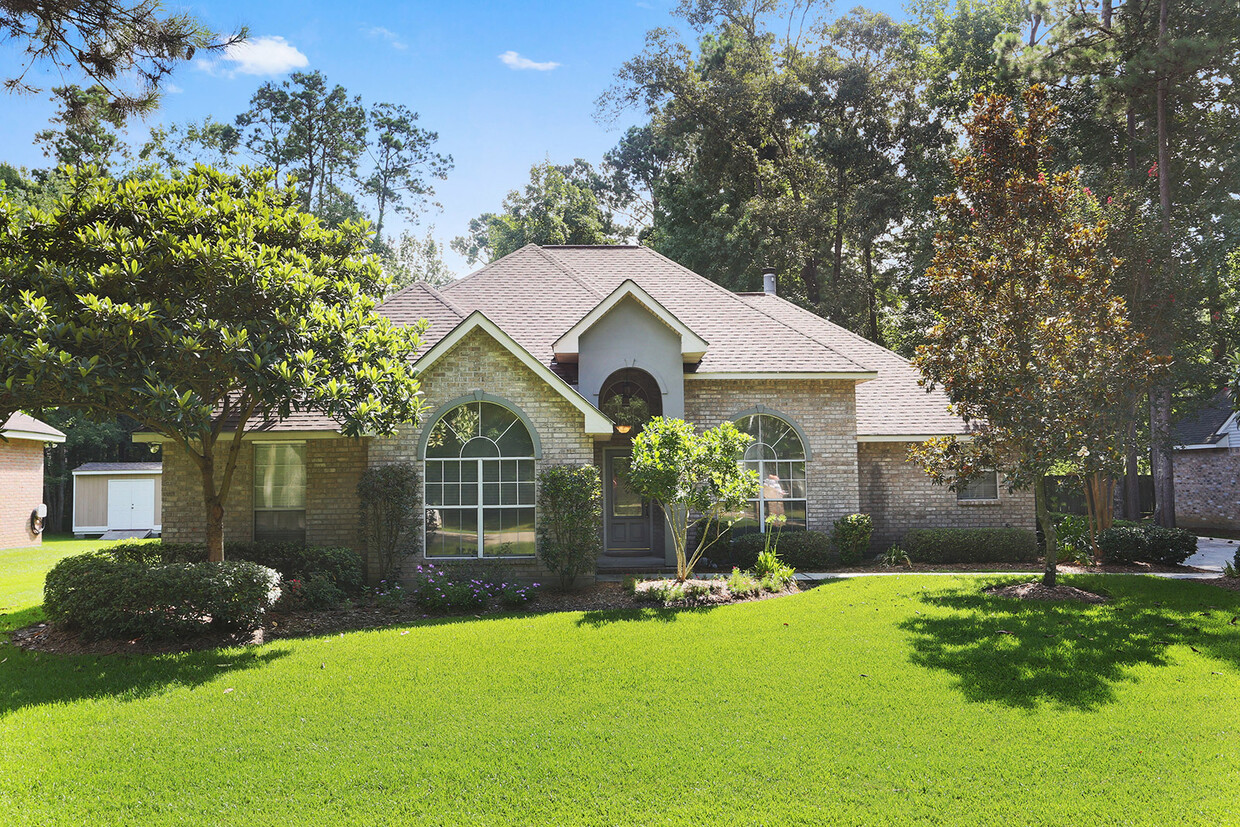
21	478
521	358
1206	463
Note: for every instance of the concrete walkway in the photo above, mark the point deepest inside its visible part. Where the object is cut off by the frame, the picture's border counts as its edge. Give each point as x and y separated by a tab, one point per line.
1213	552
818	576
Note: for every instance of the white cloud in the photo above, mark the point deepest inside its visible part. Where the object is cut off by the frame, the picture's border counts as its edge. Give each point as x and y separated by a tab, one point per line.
386	34
513	60
267	55
171	88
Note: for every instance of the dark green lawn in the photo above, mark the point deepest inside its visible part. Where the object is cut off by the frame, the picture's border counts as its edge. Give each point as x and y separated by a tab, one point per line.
890	700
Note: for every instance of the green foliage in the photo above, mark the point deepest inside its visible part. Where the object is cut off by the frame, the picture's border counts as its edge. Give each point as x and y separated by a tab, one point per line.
896	556
769	569
560	205
1232	568
316	593
631	411
103	597
850	535
570	520
1147	543
804	550
194	303
742	584
390	498
685	471
1072	534
87	128
438	590
971	545
403	163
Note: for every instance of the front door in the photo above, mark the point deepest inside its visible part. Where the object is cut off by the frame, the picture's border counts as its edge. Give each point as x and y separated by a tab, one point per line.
628	523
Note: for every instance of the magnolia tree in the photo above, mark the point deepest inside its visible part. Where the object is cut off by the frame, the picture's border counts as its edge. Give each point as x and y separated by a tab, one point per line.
1030	342
201	306
687	473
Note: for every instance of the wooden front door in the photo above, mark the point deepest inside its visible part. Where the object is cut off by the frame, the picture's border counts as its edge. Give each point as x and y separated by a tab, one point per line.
628	523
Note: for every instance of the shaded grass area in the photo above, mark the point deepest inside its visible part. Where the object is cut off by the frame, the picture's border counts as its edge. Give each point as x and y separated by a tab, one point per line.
898	700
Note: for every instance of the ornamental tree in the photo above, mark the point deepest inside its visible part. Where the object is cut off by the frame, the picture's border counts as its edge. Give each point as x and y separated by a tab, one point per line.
686	473
201	306
1030	343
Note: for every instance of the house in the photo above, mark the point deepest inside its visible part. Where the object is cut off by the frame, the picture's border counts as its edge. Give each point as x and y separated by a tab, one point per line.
22	510
124	498
519	360
1206	463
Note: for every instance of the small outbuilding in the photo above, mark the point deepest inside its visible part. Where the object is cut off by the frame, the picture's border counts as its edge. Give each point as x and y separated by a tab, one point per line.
22	510
1207	468
117	497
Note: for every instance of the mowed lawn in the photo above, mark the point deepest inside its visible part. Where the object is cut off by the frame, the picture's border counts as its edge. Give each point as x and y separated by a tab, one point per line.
892	700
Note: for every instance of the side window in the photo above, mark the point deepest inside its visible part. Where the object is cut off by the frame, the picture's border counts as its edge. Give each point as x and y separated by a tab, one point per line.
778	456
983	487
280	492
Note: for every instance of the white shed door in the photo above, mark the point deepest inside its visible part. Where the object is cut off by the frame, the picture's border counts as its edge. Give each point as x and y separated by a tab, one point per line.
131	503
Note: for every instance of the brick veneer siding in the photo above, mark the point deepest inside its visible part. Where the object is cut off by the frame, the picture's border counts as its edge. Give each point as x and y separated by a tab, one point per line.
1207	489
900	496
824	410
21	480
333	467
479	363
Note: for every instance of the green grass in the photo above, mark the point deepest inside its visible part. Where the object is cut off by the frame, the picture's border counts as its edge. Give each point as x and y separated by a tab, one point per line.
896	700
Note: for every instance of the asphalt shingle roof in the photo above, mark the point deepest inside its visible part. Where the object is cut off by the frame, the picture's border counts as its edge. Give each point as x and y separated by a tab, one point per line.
104	467
23	422
1203	428
538	293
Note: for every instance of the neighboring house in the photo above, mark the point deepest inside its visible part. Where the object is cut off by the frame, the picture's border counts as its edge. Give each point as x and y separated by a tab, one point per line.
1207	467
519	358
117	496
21	479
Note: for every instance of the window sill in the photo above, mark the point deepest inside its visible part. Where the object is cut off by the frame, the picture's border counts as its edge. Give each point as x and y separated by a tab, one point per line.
978	503
482	559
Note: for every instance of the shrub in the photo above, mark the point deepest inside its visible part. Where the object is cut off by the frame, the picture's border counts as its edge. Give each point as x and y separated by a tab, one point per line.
971	545
570	520
777	580
316	592
803	550
389	597
391	497
104	597
1147	543
513	595
851	537
1232	569
743	584
1072	532
769	565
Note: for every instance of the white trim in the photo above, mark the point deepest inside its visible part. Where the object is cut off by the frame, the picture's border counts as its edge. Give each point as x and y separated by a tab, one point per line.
1222	443
33	436
856	375
692	346
249	437
596	422
111	473
100	529
909	437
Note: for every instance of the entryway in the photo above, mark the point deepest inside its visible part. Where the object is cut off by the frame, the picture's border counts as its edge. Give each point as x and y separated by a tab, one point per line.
629	529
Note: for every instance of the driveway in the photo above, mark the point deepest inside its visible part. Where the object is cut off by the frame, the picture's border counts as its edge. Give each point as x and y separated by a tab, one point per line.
1212	553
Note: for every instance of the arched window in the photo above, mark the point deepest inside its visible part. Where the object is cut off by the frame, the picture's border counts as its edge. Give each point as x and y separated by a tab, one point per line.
777	454
479	483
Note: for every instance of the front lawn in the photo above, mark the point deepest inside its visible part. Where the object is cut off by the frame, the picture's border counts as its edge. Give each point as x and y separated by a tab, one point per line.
890	700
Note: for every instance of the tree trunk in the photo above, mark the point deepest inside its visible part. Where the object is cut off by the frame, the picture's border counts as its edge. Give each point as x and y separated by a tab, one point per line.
1048	530
214	506
1161	457
809	277
872	334
1132	471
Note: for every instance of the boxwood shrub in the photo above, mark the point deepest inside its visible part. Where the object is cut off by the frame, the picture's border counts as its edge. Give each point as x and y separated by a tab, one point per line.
803	550
105	597
971	545
1146	543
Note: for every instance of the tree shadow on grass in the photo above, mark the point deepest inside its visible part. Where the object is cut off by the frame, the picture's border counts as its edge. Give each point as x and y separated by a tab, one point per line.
598	618
1024	653
33	679
11	621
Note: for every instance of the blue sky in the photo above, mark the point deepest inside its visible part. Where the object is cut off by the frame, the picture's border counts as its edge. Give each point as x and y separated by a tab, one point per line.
504	84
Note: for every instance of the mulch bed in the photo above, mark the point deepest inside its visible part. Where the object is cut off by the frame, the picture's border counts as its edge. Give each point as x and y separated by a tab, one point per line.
1034	565
1037	591
599	597
1232	584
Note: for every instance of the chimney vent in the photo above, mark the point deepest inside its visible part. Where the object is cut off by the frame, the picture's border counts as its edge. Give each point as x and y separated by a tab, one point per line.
768	281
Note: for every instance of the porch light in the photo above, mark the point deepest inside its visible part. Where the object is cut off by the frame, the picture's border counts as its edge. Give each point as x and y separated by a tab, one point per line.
623	429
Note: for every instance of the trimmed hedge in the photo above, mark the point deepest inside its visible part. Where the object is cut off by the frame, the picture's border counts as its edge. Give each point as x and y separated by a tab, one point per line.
803	550
851	536
342	566
105	597
1147	543
971	545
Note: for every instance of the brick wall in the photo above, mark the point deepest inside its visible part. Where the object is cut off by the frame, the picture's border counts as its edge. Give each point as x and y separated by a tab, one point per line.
824	410
21	487
333	467
900	496
478	362
1207	489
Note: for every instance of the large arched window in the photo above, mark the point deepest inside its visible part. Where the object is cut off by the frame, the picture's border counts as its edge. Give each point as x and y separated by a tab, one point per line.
479	483
777	454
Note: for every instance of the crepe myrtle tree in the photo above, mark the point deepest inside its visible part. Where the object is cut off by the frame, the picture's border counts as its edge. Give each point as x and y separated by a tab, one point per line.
1031	342
201	306
686	473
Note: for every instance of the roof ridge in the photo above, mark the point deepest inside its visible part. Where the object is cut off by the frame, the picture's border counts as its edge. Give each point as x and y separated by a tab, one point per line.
776	319
427	288
486	267
571	273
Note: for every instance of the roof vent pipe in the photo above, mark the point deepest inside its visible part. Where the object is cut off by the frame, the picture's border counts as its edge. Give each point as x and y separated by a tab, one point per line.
768	281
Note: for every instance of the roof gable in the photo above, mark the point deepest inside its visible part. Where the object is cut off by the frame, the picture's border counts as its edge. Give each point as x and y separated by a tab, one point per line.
21	426
692	346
